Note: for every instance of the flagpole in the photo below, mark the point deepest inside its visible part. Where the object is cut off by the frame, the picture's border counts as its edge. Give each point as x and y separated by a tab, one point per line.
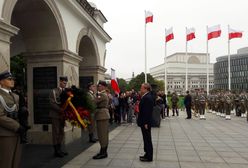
229	62
186	56
165	66
207	65
145	53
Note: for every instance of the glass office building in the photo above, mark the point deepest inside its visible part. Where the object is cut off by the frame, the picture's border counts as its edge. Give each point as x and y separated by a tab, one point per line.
239	71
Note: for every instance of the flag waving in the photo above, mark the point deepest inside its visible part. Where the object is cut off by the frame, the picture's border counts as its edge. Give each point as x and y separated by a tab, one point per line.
190	34
214	32
169	35
149	16
234	33
114	83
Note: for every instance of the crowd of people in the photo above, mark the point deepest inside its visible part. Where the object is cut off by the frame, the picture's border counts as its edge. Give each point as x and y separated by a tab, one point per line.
145	107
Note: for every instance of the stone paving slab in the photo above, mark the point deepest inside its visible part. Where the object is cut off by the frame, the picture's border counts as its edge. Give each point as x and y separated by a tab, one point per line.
177	143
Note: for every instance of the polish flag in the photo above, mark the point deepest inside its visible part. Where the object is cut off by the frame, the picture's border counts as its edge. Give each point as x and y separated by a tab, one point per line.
149	16
234	33
190	34
214	32
169	35
114	83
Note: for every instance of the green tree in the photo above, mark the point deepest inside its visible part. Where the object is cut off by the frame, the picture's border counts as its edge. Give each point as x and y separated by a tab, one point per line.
136	82
122	84
160	84
18	68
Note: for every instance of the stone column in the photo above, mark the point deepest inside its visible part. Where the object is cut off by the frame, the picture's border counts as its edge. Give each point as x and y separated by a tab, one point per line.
6	32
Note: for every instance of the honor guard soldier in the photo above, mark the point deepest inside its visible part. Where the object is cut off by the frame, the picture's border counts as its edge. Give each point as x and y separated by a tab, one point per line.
202	105
242	104
196	103
228	105
102	119
222	102
10	129
92	95
174	101
237	104
56	114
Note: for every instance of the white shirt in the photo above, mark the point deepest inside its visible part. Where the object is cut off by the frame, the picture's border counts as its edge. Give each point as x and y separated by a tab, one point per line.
6	90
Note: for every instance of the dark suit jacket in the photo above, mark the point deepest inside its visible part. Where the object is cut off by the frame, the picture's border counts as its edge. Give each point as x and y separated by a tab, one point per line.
187	101
145	110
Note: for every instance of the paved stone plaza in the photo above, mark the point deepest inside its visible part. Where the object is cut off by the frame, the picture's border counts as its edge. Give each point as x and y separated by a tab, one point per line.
178	143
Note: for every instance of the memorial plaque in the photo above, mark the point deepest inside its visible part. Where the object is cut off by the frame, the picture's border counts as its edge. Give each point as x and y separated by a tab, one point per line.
44	79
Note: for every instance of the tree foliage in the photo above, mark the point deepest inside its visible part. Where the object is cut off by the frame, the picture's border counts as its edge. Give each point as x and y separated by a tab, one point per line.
18	68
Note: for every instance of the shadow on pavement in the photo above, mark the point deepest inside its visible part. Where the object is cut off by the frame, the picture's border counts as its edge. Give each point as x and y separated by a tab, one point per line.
41	156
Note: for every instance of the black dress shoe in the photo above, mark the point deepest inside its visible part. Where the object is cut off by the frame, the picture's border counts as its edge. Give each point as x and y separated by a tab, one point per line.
59	154
100	156
144	159
141	157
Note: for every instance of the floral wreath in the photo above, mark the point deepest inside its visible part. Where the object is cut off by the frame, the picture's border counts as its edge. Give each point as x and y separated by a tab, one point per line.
77	107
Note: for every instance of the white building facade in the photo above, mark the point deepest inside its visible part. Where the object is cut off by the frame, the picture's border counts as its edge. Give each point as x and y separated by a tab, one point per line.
56	38
176	72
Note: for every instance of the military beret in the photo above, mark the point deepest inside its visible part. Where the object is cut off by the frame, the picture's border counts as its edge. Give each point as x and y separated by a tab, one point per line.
5	74
63	78
103	83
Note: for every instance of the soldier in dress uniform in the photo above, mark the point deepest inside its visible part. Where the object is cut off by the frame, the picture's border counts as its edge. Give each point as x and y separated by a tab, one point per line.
202	105
102	119
10	129
221	107
91	127
242	104
237	104
228	105
196	103
56	114
174	101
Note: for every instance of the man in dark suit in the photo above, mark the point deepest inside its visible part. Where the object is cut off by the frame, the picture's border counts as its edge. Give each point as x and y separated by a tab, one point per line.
10	129
187	104
144	120
56	114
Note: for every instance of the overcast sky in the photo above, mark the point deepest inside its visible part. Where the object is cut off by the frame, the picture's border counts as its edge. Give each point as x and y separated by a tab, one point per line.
125	53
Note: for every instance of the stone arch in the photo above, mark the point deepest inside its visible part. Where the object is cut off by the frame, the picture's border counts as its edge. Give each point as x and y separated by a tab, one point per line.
85	36
193	60
90	68
9	6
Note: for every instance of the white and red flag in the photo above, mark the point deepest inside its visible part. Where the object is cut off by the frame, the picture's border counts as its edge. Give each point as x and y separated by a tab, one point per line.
114	83
149	16
190	34
169	35
214	32
232	33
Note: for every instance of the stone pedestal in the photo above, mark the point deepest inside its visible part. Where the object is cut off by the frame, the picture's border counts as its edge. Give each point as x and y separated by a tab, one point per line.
43	71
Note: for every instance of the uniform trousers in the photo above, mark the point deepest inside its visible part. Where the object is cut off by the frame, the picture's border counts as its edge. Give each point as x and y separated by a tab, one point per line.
58	130
103	132
10	152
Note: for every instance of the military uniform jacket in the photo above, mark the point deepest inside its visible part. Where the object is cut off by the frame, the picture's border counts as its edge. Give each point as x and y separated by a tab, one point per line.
102	102
55	104
8	126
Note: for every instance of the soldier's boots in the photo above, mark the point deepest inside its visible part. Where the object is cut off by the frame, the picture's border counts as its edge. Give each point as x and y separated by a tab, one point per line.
91	138
103	154
58	152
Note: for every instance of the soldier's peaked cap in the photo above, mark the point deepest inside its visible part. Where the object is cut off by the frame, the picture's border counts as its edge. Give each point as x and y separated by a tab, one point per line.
5	74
